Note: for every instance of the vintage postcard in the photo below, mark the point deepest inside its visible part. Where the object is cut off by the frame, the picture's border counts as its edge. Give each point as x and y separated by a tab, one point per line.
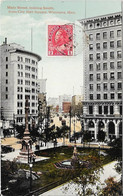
61	97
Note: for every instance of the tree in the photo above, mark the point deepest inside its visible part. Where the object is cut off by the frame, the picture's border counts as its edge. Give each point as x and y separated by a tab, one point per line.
20	131
101	136
113	188
87	175
116	149
87	136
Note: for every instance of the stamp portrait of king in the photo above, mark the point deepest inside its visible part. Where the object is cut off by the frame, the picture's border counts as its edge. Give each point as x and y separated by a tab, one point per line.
60	40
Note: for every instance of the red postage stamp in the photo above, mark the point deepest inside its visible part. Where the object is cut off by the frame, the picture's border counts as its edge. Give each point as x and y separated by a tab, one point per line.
60	40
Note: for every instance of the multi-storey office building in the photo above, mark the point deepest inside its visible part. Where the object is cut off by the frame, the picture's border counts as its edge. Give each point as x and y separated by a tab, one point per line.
102	107
18	76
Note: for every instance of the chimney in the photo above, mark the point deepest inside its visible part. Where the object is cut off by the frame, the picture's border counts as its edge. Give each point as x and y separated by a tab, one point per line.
5	40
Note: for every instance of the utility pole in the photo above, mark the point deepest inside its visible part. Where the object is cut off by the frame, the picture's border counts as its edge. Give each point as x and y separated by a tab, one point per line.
122	99
70	125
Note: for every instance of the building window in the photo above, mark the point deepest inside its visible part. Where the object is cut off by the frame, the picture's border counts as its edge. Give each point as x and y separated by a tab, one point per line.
90	109
105	86
33	62
6	96
91	87
98	76
100	109
118	43
119	95
105	76
91	47
91	77
105	96
27	60
119	75
119	86
119	65
98	46
33	69
111	109
91	96
112	95
6	81
105	55
118	33
98	87
6	66
111	65
98	56
112	86
98	36
118	54
91	67
105	109
111	34
6	58
6	89
91	37
105	45
98	66
111	55
104	35
90	57
6	73
112	76
98	96
104	66
112	44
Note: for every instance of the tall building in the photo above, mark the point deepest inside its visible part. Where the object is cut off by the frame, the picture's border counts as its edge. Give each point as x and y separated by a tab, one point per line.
42	85
18	80
102	106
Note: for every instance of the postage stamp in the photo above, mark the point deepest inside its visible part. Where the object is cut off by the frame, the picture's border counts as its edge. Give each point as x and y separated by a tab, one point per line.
60	40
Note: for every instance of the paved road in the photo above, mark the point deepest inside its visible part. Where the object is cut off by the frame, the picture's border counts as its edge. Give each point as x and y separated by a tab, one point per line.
71	189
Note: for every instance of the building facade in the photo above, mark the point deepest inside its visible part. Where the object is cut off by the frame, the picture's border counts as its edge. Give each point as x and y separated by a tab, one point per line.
63	98
42	86
102	106
18	77
66	107
76	104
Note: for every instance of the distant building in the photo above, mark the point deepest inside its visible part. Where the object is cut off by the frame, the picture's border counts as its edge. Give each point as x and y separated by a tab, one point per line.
52	101
42	86
66	107
76	105
63	98
18	80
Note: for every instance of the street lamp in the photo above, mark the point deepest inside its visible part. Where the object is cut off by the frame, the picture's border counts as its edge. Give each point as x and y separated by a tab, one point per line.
28	152
30	165
99	150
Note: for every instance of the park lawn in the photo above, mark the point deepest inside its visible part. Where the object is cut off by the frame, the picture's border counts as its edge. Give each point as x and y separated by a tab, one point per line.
50	173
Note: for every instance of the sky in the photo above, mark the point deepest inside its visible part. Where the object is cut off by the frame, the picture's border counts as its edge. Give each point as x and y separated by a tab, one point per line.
64	73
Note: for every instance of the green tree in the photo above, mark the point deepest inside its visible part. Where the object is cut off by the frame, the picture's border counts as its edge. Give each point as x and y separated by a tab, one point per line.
101	136
87	175
116	149
87	137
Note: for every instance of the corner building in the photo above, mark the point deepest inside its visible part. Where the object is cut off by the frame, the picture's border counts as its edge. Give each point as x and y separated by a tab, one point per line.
18	76
102	106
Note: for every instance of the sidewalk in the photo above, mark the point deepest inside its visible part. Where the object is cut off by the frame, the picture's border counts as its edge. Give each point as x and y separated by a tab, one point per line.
71	188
